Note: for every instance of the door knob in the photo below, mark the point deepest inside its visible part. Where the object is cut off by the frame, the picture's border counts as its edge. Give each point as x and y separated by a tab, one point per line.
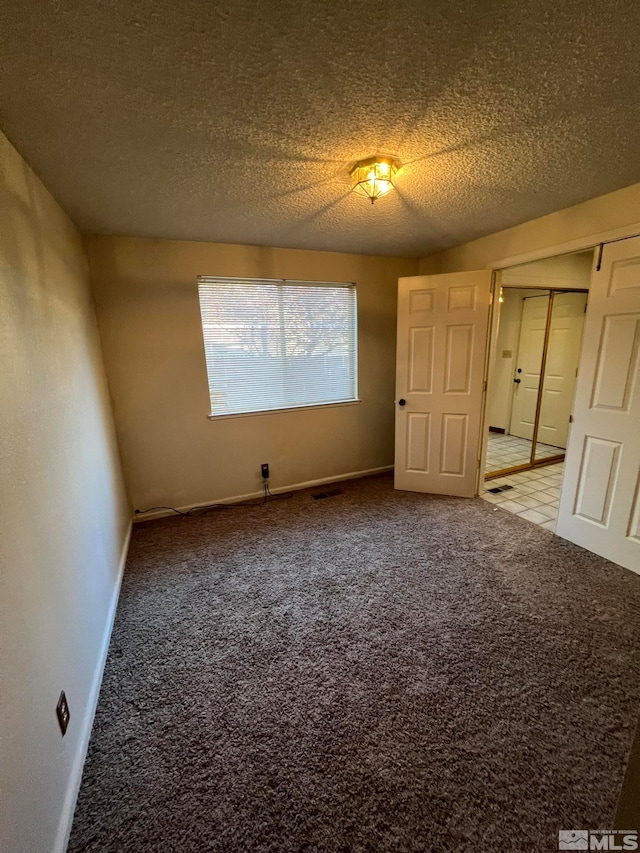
402	401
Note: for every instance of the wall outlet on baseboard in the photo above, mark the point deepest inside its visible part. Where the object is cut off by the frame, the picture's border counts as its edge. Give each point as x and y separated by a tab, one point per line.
265	470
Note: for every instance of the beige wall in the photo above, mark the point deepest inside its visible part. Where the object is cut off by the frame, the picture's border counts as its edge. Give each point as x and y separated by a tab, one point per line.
147	303
564	271
616	210
63	513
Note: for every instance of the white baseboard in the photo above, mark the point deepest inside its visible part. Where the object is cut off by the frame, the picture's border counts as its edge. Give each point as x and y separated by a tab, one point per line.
75	778
294	487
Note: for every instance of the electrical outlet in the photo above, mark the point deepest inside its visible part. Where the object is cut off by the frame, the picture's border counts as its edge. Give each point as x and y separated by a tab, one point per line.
62	711
265	470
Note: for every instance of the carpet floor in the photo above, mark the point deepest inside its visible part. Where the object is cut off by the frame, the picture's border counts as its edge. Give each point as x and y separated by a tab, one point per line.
376	671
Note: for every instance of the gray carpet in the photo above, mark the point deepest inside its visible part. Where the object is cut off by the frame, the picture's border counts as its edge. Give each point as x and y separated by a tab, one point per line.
378	671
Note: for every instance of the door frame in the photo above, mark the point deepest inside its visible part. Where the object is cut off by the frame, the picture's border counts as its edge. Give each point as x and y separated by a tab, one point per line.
567	247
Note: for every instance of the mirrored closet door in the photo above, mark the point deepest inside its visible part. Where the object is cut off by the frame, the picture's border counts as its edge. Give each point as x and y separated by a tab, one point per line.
533	382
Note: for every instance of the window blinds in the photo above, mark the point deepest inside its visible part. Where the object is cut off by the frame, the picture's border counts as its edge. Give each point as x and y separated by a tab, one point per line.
274	344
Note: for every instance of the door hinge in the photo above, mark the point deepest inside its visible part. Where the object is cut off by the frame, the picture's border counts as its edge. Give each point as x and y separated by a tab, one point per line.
484	385
570	419
599	261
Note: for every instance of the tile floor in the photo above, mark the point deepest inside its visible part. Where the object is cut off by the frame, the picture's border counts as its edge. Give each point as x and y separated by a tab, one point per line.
534	496
505	451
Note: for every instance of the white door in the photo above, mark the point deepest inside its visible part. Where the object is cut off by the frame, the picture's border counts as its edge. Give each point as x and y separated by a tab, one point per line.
528	364
561	368
442	339
600	500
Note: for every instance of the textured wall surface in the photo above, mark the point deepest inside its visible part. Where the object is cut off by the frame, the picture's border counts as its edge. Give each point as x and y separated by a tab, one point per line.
63	513
235	122
147	304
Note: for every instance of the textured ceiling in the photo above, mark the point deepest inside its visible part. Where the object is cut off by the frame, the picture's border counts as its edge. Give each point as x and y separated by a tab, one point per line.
236	122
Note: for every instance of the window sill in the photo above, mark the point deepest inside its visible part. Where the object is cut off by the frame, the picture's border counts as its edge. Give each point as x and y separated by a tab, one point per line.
283	411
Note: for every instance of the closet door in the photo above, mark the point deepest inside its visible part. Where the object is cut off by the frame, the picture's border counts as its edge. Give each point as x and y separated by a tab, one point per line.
561	368
600	501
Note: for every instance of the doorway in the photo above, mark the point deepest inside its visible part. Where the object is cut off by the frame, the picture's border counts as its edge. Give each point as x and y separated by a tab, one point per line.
443	367
537	340
533	382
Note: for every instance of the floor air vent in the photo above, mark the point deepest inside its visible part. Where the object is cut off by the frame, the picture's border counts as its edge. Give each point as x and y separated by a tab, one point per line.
330	494
497	489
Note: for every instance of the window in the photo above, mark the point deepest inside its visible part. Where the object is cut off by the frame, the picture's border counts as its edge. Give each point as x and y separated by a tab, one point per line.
275	344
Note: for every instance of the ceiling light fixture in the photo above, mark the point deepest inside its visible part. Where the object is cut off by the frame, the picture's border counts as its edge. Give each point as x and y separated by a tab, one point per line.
373	177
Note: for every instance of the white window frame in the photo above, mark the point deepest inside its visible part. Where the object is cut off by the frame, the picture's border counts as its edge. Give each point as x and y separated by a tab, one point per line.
207	282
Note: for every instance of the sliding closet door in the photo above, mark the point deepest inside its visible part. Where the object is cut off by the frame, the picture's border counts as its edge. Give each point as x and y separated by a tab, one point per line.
561	369
600	501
